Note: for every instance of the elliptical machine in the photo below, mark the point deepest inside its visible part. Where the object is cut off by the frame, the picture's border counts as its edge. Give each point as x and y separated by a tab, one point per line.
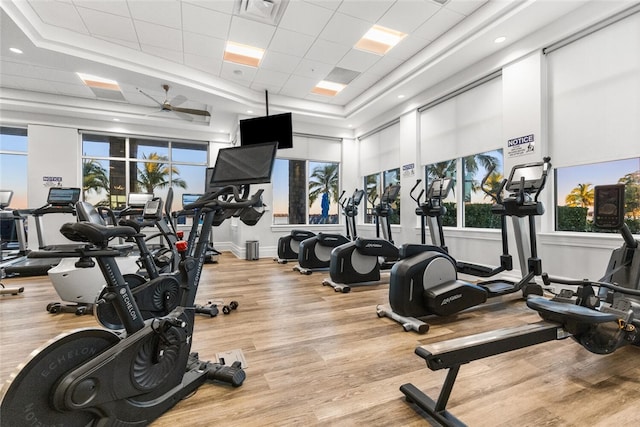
315	252
425	281
289	246
432	210
601	316
359	262
152	361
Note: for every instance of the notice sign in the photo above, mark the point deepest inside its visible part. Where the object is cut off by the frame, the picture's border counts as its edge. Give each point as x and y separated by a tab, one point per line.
409	170
520	146
52	181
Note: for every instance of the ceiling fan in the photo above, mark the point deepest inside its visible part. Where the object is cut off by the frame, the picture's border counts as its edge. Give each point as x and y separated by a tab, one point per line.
173	105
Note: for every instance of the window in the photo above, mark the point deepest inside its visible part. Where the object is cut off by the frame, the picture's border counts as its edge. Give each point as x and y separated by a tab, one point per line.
13	164
574	190
375	185
151	166
305	192
477	204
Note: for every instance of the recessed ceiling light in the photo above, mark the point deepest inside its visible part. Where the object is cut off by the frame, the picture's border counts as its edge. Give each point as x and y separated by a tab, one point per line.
250	111
15	50
243	54
99	82
379	40
500	39
116	120
328	88
400	96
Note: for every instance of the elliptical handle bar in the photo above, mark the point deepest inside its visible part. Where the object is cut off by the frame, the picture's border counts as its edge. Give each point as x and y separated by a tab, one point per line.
496	197
417	200
548	280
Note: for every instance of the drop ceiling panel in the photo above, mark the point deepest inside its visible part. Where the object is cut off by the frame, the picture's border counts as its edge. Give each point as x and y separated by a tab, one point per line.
279	62
62	15
358	60
238	73
298	86
159	36
291	42
114	7
344	29
209	22
197	44
305	18
108	25
328	4
407	15
327	52
225	6
207	64
371	13
166	13
312	69
465	7
163	52
251	33
438	24
270	77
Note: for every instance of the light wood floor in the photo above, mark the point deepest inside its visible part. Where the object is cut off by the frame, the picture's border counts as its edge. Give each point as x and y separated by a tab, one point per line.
317	357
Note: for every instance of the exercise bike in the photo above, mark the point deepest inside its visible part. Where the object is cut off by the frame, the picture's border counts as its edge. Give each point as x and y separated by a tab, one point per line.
96	377
601	316
425	280
314	253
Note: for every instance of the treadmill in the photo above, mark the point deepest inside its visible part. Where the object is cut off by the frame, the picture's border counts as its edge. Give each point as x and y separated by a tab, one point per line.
37	263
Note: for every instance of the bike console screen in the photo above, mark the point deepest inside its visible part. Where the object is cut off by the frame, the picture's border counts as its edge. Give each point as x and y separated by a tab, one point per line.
248	164
608	206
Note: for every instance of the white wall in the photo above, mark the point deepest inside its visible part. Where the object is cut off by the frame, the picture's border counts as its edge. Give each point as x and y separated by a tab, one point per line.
52	152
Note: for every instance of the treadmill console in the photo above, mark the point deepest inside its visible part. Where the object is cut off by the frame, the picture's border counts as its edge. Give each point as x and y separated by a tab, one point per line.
608	208
59	196
138	200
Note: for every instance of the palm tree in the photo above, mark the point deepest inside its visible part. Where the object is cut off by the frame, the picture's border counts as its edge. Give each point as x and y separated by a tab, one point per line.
631	183
581	196
94	178
493	184
157	174
471	166
441	170
324	181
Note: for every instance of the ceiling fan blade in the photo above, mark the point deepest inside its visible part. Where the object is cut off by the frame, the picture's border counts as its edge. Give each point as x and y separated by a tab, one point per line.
149	96
177	100
183	116
204	113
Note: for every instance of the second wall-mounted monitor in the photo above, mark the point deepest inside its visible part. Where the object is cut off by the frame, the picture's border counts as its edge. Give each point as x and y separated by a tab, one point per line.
267	129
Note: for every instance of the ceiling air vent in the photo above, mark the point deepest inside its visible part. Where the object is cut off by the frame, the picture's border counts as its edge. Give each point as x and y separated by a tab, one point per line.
267	11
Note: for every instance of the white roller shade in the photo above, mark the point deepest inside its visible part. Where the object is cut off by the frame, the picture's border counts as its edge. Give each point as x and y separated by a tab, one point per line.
594	96
468	123
380	151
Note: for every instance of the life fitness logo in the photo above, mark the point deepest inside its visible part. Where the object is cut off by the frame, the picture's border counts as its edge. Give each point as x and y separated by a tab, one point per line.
128	304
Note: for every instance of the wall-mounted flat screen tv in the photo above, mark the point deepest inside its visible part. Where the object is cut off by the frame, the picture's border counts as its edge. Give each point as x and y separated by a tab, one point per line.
267	129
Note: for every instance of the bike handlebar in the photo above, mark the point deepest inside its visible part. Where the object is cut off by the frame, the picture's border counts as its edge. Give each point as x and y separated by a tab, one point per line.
548	280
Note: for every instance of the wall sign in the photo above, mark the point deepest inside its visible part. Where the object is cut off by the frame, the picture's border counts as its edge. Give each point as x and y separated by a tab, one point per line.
409	170
52	181
520	146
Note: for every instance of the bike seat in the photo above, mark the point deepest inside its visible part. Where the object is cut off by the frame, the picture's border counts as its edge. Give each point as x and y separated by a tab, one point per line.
563	313
97	234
